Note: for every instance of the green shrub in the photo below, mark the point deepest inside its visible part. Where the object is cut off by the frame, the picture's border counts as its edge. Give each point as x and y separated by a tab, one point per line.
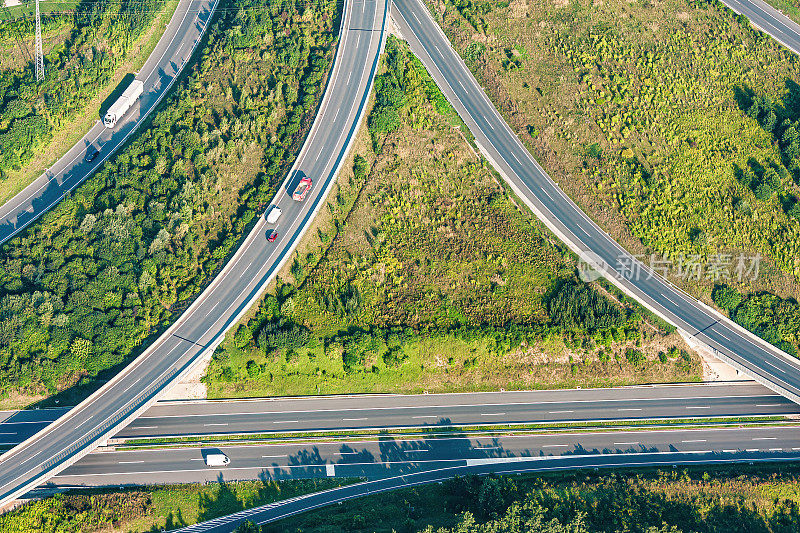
577	305
726	297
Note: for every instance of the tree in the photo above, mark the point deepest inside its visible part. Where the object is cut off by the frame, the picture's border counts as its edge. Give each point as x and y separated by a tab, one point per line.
360	166
726	297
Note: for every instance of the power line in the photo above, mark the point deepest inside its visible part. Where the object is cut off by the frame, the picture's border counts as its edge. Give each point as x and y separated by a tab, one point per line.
39	52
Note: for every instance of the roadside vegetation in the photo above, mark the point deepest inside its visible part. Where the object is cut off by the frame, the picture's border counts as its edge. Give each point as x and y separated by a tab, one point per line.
642	113
151	508
81	289
85	49
425	275
746	499
737	499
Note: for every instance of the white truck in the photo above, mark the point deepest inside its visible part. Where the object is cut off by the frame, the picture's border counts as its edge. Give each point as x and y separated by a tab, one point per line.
217	459
123	103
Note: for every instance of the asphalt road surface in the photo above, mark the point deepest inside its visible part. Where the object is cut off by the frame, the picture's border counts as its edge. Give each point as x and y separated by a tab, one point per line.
362	412
393	463
503	149
388	456
769	20
163	65
621	458
235	289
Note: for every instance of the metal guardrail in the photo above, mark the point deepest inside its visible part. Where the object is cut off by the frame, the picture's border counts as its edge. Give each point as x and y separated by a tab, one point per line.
141	399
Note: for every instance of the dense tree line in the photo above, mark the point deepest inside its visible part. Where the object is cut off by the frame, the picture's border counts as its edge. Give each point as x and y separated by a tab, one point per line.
81	289
101	36
774	319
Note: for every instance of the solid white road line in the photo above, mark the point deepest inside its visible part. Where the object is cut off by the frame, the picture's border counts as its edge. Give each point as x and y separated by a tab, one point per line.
775	367
694	440
670	300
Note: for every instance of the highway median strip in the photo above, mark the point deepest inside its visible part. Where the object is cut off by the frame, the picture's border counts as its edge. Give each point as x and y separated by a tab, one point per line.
437	432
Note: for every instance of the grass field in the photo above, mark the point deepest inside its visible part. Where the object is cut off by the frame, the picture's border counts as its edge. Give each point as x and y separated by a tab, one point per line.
636	110
425	275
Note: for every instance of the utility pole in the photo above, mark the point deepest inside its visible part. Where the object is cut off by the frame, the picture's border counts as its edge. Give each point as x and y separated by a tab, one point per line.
39	53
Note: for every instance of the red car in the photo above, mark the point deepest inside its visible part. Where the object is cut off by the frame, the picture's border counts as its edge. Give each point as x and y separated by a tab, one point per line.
272	236
302	189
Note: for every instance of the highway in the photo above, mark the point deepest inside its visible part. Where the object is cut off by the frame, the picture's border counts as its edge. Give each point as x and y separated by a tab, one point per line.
543	196
388	411
511	456
730	342
401	462
202	326
769	20
162	67
389	456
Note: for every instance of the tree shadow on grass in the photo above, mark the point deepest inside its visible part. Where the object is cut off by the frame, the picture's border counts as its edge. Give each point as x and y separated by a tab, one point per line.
222	502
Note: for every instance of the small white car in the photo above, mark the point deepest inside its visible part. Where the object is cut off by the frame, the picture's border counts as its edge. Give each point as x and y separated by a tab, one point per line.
274	214
217	459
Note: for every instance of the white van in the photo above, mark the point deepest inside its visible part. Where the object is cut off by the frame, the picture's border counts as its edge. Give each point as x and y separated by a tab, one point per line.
217	459
274	214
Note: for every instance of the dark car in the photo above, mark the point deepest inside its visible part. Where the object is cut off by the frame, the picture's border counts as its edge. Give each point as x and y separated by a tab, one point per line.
91	154
272	236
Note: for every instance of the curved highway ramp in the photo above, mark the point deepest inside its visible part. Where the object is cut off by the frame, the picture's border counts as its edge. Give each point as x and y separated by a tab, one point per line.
203	325
500	145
